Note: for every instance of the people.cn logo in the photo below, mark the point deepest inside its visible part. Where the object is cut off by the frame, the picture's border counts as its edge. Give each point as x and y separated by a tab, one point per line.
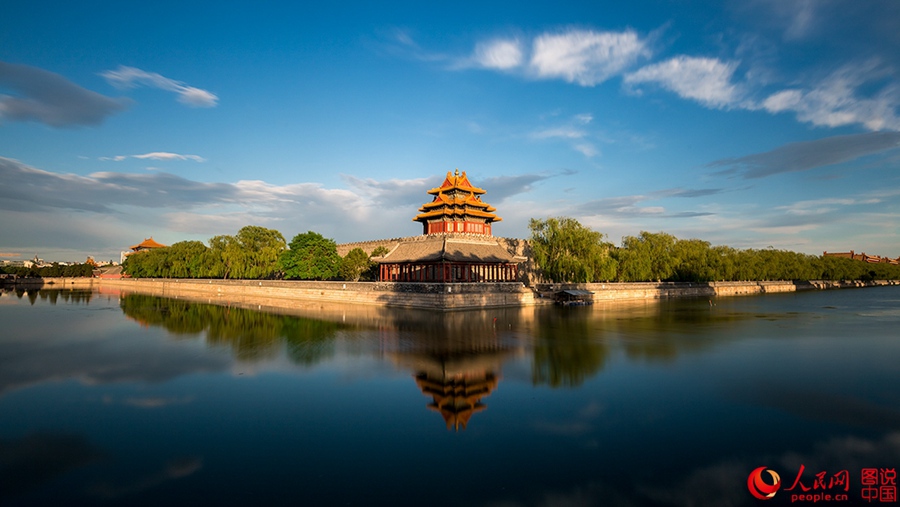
760	488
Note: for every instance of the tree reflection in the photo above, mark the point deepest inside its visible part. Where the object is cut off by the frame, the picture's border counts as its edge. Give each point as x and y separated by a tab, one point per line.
251	335
51	296
308	341
567	349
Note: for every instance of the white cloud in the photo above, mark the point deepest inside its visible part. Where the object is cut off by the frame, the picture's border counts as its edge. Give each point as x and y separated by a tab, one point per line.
836	101
559	132
585	57
705	80
51	99
499	54
156	155
129	77
587	149
161	155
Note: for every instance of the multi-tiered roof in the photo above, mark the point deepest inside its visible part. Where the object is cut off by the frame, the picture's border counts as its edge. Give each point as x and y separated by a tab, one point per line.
457	207
456	245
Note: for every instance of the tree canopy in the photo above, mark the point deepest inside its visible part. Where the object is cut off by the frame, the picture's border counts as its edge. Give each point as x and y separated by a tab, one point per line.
563	250
311	257
354	264
252	253
567	251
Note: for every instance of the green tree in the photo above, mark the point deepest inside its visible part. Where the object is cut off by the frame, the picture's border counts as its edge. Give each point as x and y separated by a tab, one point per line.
311	257
354	264
218	260
693	261
649	256
184	259
256	251
372	272
567	251
251	254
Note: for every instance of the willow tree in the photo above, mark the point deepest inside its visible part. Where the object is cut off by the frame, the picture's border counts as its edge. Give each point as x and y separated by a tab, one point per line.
259	249
566	251
649	256
252	253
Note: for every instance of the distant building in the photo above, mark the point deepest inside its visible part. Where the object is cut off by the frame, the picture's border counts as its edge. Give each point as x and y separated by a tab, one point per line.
144	246
456	245
109	271
871	259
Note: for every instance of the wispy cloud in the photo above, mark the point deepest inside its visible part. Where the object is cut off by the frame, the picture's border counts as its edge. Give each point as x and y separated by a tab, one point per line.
585	57
837	100
156	155
35	189
393	193
499	54
559	132
51	99
501	187
574	131
627	206
130	77
705	80
586	149
688	192
807	155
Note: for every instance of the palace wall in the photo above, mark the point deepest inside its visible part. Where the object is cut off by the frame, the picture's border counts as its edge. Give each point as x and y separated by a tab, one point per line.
434	296
283	292
660	290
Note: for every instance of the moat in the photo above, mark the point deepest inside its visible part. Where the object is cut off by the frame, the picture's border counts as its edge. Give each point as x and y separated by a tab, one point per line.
110	398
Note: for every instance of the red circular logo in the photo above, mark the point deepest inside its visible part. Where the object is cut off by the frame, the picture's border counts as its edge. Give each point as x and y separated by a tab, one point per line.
760	488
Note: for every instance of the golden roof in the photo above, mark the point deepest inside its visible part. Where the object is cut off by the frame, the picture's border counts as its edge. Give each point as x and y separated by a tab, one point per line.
147	243
456	197
456	181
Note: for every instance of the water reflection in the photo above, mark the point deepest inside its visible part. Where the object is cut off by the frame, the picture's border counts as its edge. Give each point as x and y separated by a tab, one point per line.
251	335
455	358
648	403
569	347
50	296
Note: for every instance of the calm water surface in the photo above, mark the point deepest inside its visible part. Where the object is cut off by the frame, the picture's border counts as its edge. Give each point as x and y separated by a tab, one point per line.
125	399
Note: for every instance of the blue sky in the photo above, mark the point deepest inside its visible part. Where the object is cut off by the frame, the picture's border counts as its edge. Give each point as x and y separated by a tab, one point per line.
747	123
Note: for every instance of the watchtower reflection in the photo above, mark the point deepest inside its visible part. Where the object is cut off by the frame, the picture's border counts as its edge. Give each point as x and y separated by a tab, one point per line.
456	358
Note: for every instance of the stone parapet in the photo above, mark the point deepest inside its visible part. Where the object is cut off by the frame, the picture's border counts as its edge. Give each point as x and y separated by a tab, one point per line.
457	296
659	290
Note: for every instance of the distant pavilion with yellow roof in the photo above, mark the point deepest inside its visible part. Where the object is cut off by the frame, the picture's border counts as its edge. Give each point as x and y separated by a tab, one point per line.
147	244
144	246
456	243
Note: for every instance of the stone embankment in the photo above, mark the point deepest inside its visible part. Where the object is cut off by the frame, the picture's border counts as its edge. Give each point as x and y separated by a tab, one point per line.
456	296
659	290
406	295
